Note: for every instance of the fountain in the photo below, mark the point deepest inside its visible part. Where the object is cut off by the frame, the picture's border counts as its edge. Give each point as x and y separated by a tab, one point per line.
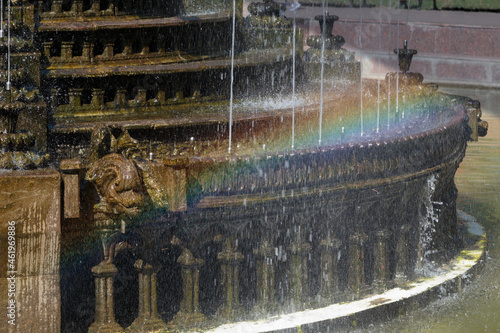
158	219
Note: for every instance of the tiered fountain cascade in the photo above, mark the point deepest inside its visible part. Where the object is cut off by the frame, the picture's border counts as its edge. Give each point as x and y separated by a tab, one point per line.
195	234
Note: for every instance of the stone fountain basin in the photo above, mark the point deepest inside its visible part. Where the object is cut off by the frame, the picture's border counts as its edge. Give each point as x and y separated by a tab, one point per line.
254	175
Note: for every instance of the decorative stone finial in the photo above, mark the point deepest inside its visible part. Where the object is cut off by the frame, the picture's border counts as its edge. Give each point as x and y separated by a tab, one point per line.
332	42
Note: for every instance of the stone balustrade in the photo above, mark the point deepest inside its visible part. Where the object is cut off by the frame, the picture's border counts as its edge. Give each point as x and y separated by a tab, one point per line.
124	45
336	254
93	8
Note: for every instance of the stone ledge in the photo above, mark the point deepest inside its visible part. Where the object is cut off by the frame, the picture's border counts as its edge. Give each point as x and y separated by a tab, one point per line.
391	303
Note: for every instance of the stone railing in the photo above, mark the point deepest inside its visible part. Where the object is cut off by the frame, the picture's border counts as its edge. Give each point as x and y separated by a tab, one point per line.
161	92
92	8
149	43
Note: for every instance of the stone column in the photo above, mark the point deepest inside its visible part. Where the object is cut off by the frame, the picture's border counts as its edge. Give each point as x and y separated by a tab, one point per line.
189	312
104	299
382	275
265	276
330	248
403	264
356	270
229	259
299	252
148	319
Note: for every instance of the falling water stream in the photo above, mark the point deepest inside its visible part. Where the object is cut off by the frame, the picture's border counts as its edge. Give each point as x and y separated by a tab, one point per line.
361	63
379	65
323	35
232	78
476	308
389	78
293	74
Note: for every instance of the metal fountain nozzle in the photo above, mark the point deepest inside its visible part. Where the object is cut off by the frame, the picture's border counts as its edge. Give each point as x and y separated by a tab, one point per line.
405	57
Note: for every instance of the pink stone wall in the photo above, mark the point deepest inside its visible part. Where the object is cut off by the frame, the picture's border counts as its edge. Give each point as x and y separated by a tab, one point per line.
447	52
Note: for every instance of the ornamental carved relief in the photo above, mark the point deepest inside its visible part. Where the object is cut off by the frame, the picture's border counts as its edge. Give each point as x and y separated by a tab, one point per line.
118	184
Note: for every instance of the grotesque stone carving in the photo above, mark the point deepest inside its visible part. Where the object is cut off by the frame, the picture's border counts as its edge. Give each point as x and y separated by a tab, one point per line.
119	185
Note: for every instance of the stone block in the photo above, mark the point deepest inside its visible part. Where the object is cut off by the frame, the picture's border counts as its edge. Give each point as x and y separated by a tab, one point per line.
32	200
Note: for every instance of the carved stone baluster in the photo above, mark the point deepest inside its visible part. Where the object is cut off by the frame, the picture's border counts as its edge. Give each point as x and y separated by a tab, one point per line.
382	275
67	50
127	46
161	44
108	49
88	51
97	98
229	259
330	247
54	98
140	98
403	264
75	97
161	95
95	8
77	7
265	276
189	312
56	7
356	271
145	45
148	319
121	97
41	8
104	308
299	252
47	46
